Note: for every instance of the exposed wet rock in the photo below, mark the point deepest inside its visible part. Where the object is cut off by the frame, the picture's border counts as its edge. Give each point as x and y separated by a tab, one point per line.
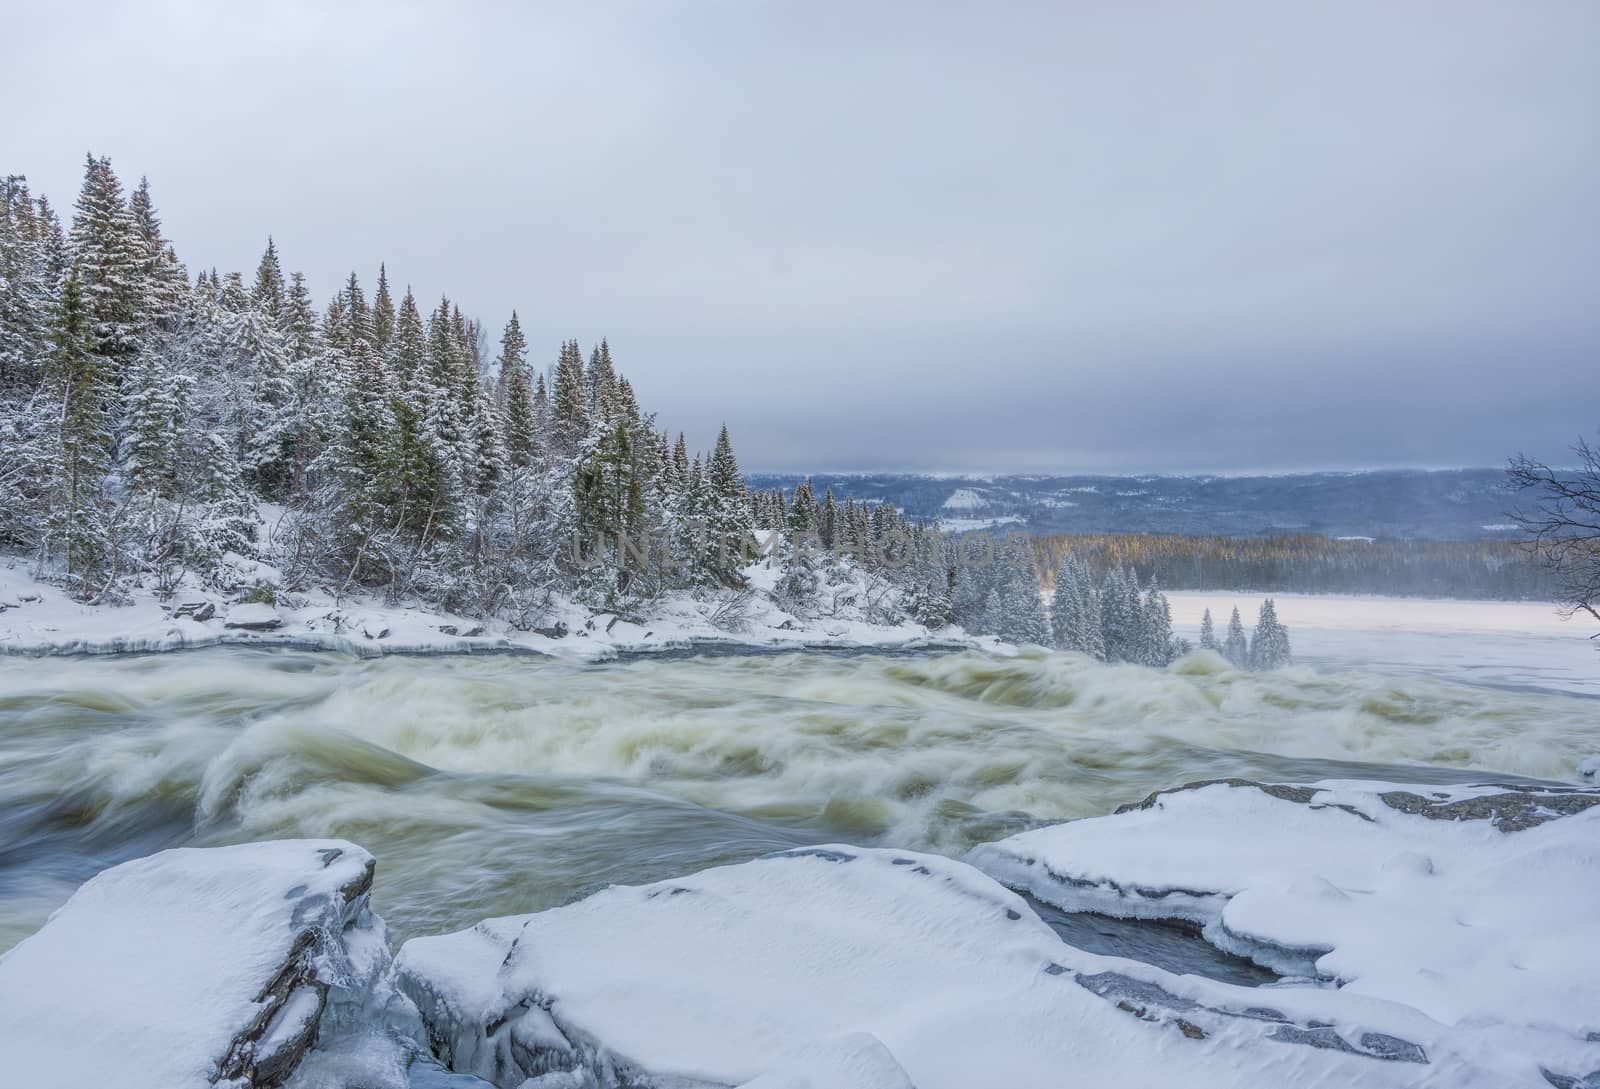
1512	811
1151	1002
1376	1045
1301	795
1173	944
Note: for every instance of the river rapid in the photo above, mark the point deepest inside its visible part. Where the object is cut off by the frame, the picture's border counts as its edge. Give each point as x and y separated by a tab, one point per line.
504	784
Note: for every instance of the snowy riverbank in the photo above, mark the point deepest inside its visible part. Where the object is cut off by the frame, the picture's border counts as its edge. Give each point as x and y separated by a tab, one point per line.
1509	644
40	619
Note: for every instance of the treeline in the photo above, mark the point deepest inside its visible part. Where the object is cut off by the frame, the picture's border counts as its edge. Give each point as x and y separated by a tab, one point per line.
1113	618
149	419
1302	563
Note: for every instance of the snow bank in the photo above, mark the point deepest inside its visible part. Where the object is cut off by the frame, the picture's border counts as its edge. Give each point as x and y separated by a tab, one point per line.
1474	905
192	966
840	966
38	619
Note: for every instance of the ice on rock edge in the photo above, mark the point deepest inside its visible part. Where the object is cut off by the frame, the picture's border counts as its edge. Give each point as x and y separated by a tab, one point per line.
1473	905
788	969
194	966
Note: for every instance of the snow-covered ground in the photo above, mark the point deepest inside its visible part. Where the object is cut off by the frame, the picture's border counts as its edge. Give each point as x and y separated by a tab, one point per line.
37	618
1432	939
938	973
1470	906
1503	643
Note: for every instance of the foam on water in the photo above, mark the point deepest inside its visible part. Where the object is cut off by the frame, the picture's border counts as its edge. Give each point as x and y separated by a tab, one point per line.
492	785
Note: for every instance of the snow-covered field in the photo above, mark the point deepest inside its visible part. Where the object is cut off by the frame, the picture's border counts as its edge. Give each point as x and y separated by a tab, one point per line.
1501	643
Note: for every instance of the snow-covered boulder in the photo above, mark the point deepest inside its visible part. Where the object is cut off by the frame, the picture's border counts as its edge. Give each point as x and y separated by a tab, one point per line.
194	966
1589	769
1477	906
836	967
255	616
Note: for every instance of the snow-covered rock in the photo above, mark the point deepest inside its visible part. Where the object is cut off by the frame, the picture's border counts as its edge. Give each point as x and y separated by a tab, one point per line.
256	616
191	967
1476	906
1589	769
840	966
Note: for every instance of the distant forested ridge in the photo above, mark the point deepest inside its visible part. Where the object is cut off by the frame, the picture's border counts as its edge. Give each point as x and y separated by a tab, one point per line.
1302	563
1441	504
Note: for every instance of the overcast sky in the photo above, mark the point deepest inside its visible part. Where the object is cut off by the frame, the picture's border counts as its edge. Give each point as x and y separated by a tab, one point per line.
978	237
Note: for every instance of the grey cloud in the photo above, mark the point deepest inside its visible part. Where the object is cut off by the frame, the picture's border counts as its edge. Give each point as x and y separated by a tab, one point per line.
964	237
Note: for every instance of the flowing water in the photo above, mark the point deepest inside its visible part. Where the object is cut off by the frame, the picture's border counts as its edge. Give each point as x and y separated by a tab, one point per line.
493	785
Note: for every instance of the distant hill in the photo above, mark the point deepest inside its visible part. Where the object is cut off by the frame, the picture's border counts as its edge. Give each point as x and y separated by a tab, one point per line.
1451	504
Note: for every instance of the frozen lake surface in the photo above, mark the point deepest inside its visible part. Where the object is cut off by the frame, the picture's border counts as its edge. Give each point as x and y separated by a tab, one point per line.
1501	643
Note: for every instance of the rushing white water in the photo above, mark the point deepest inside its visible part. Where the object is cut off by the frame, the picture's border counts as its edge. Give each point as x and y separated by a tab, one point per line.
492	785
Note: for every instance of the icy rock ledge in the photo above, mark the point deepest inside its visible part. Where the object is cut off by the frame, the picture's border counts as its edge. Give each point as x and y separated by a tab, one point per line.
194	966
841	967
1476	906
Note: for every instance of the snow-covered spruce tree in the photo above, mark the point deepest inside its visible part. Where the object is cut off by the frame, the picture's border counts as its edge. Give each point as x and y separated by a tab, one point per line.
512	360
693	552
729	529
268	294
1018	605
78	529
1086	629
1236	648
798	585
110	256
522	429
383	312
1075	609
298	322
262	391
828	519
569	402
600	382
1269	645
166	284
28	289
356	468
929	599
1160	646
154	401
1123	618
1208	633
